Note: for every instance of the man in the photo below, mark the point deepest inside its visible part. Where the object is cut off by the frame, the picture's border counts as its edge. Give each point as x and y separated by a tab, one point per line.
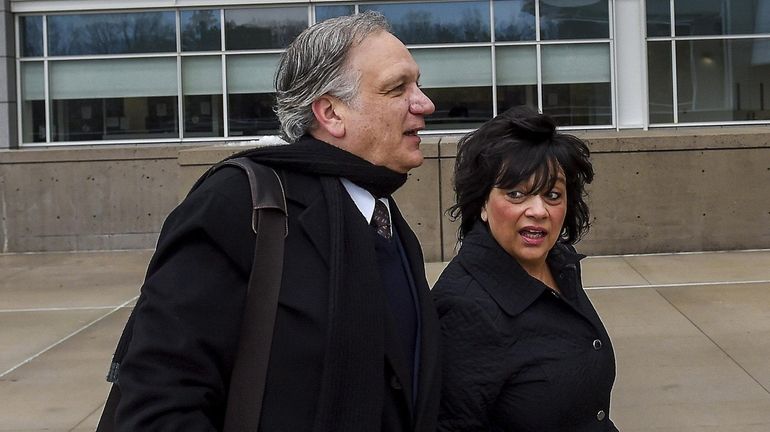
355	344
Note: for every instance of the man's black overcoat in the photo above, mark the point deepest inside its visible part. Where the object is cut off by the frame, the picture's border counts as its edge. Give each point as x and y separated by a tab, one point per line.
175	373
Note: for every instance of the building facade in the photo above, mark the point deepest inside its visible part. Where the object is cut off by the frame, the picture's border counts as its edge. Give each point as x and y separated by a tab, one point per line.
638	74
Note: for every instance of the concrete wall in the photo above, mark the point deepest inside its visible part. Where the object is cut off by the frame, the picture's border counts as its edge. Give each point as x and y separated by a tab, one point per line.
655	191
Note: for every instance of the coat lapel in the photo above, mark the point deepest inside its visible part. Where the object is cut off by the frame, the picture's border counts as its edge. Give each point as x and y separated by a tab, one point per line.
429	374
305	195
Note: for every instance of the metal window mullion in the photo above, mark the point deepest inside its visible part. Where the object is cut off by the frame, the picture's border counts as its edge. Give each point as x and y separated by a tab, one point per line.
179	90
46	82
645	68
613	69
674	86
538	58
494	58
223	58
19	101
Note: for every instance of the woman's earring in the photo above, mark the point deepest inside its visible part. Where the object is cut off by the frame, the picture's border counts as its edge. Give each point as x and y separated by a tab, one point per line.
484	214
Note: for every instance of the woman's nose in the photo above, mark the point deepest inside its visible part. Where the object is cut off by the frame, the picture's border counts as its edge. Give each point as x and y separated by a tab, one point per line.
536	207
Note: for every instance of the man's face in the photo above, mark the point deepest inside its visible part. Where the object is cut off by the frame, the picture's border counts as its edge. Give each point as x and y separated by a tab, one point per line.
381	123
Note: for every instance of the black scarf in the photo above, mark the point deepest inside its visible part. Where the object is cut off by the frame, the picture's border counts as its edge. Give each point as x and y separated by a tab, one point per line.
311	156
351	397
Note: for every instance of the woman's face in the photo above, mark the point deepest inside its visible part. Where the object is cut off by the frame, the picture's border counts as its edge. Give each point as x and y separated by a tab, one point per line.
527	226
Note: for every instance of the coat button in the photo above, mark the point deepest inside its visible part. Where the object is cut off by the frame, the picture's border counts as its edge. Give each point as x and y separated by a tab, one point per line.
555	294
600	415
394	383
597	344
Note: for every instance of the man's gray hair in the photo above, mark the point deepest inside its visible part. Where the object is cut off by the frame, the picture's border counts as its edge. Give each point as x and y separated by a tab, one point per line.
315	64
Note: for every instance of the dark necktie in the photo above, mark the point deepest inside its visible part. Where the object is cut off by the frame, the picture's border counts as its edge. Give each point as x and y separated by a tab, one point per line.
381	219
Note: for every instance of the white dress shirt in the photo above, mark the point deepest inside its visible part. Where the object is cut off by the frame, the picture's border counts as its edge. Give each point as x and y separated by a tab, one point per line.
364	200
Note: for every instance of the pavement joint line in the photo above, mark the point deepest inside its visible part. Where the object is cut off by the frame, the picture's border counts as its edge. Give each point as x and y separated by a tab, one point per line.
59	309
716	344
69	336
676	285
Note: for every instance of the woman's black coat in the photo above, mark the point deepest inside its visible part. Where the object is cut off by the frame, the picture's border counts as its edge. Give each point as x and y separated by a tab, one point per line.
518	356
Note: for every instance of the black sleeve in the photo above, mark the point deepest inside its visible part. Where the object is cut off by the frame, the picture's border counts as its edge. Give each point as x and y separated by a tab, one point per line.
175	374
473	359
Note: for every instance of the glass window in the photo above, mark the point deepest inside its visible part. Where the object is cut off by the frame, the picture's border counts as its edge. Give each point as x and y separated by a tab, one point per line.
323	13
721	17
202	88
576	84
33	102
723	80
463	98
250	94
584	19
201	30
263	28
31	34
112	33
658	18
443	22
516	76
113	99
514	20
660	82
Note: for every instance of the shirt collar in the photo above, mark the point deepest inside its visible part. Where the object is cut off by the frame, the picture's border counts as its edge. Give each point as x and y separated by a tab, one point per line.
497	272
363	199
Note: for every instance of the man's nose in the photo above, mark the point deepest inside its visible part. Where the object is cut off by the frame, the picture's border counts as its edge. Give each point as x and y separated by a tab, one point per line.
421	104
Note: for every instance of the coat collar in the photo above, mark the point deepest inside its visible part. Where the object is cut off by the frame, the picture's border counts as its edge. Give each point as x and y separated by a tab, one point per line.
512	288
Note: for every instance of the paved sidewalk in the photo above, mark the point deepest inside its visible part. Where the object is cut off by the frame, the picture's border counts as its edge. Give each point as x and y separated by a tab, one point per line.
691	335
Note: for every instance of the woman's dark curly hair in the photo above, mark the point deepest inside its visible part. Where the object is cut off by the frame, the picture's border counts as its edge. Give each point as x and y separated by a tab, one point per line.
508	150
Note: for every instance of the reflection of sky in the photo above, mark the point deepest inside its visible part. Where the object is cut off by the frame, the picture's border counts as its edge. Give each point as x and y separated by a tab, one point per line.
262	17
444	13
514	20
323	13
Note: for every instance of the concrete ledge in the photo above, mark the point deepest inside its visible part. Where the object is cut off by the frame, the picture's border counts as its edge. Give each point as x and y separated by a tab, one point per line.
662	190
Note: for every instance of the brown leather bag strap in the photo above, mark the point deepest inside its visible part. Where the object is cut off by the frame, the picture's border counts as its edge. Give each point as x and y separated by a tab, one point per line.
249	374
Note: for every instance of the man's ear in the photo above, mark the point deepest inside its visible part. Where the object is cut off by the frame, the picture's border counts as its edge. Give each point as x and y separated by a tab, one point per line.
327	117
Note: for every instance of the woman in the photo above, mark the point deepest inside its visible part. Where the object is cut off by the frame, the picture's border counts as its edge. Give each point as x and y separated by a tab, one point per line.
524	349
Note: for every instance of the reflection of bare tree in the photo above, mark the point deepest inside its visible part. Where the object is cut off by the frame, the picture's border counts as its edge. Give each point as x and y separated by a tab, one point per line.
418	26
201	30
262	34
112	33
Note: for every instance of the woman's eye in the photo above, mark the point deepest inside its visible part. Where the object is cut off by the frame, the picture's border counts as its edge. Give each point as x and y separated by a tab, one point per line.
516	195
553	196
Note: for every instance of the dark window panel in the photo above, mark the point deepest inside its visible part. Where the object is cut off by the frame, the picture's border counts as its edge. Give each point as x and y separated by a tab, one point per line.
721	17
201	30
203	116
114	118
723	80
658	18
444	22
33	121
575	20
511	96
252	114
31	35
583	104
112	33
514	20
323	13
660	82
459	107
263	28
